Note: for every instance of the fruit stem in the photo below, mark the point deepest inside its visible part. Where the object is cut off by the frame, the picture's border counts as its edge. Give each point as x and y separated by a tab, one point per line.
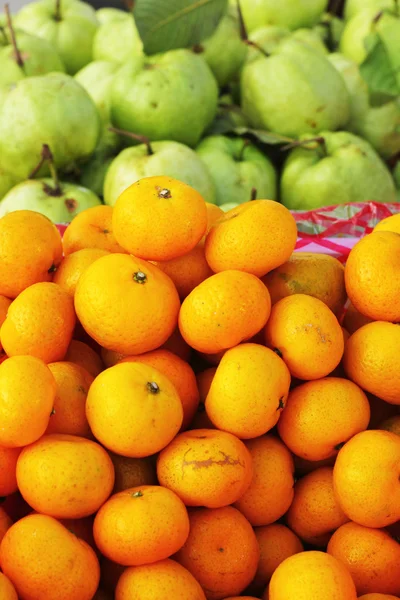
3	33
334	7
140	138
242	149
17	53
47	155
57	14
397	8
303	143
243	32
253	194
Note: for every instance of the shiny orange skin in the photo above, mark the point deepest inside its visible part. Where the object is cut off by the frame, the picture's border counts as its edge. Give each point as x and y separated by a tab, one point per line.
307	335
141	525
249	391
5	523
133	410
8	466
366	478
159	218
353	319
7	590
315	512
221	551
372	557
163	579
392	424
210	319
30	251
180	374
63	558
40	322
271	490
276	543
72	266
255	237
65	476
110	321
83	355
27	393
132	472
91	228
320	415
206	467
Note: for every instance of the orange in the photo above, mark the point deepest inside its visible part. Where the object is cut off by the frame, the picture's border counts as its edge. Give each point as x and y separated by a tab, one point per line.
30	251
315	513
44	560
366	478
27	393
141	525
82	528
249	391
159	218
8	465
313	575
133	409
307	335
204	381
84	356
7	590
391	223
271	489
276	543
255	237
214	214
179	373
177	345
353	319
392	424
40	322
111	358
4	305
126	304
322	415
91	228
310	273
223	311
206	467
372	360
72	266
132	472
221	551
163	579
65	476
5	523
372	276
372	557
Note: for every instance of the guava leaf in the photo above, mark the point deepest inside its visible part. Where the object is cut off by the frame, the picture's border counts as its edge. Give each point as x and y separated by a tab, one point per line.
380	71
265	137
168	24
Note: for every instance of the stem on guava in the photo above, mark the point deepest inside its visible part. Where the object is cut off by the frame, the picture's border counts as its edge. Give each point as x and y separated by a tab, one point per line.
303	144
17	53
253	194
3	34
57	13
134	136
243	32
47	156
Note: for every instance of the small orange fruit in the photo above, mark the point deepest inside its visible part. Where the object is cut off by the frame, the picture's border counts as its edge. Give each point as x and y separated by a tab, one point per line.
8	466
255	237
308	336
223	311
133	410
40	322
271	490
214	214
141	525
277	543
84	356
7	590
30	251
132	472
249	391
92	228
353	319
321	415
111	358
5	523
72	266
391	223
204	381
4	306
82	528
108	290
65	476
221	551
392	424
206	467
372	557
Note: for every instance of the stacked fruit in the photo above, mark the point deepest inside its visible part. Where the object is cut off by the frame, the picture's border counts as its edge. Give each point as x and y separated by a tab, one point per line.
182	414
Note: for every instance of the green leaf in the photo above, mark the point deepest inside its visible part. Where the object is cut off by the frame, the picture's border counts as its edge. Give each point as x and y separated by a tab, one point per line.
168	24
265	137
380	71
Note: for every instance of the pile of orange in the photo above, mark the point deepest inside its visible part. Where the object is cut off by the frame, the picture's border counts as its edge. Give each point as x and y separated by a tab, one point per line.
187	410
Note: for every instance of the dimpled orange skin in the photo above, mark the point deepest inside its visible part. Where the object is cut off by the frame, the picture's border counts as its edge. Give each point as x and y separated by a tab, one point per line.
223	311
180	374
133	410
255	237
65	476
371	556
366	478
40	322
83	355
206	467
141	525
271	490
91	228
307	334
249	391
372	360
163	579
321	415
126	304
159	218
7	590
27	393
315	512
30	250
72	266
132	472
8	465
277	542
221	551
372	276
68	568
